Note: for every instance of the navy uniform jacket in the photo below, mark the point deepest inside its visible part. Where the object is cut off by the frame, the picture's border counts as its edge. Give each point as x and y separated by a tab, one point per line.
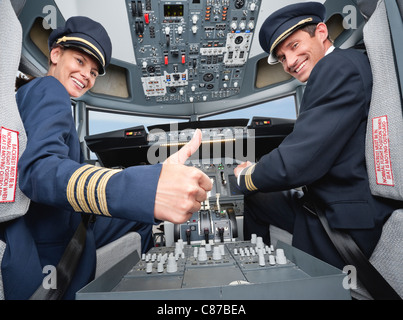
52	174
326	153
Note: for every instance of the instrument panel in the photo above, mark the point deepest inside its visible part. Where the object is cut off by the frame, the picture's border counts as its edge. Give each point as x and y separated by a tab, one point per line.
229	139
236	270
191	51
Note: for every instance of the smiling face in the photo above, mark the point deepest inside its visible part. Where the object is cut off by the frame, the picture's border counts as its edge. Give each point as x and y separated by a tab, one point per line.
300	52
75	69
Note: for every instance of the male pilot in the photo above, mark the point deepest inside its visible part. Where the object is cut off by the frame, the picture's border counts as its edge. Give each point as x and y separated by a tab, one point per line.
325	151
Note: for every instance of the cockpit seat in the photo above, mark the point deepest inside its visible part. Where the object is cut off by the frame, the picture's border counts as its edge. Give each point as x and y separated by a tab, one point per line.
13	206
384	143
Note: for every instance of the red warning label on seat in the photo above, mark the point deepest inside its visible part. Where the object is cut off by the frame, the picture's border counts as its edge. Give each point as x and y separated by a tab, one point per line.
380	138
8	164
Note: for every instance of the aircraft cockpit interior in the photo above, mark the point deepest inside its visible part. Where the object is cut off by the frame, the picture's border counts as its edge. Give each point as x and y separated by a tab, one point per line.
180	66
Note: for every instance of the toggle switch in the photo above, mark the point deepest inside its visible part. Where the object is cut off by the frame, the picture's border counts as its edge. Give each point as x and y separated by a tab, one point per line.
221	233
206	235
147	18
188	232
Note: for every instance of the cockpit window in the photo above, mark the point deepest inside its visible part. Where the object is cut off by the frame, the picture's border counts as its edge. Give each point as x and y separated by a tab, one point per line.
100	122
279	108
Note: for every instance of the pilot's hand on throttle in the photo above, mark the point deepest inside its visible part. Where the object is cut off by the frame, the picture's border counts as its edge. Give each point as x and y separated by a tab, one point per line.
240	167
181	189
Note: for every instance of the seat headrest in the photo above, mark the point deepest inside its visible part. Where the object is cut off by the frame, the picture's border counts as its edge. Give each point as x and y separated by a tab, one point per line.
13	203
384	143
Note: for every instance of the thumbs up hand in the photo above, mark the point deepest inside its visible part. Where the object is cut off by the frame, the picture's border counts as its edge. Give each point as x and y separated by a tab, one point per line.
181	189
187	150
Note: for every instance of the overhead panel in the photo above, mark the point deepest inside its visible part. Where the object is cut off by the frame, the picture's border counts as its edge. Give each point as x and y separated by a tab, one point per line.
191	51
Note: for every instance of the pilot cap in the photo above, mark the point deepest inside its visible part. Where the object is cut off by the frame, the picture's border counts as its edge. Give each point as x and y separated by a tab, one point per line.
280	24
87	35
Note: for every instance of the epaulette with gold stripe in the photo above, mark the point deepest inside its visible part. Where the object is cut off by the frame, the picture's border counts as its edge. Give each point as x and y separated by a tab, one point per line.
248	179
86	189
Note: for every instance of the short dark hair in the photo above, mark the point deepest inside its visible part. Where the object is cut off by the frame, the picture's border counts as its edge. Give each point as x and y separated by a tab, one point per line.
311	28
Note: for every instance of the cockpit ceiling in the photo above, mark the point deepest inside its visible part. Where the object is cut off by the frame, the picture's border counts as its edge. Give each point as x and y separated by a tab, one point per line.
176	58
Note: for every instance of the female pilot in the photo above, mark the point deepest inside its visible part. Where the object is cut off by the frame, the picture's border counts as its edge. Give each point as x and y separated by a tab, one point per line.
62	188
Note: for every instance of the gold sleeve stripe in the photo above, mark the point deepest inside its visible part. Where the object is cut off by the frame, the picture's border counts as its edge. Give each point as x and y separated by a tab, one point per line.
91	190
248	179
101	191
246	182
71	187
80	189
253	187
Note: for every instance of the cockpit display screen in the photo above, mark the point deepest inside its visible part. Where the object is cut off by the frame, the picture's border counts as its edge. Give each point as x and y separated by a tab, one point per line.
173	10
